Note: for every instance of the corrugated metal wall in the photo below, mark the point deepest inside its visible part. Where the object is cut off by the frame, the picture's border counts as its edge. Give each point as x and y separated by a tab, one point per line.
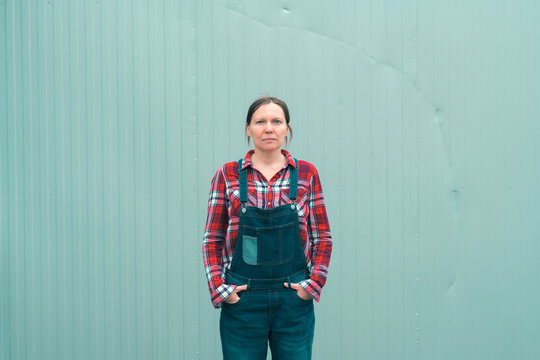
422	117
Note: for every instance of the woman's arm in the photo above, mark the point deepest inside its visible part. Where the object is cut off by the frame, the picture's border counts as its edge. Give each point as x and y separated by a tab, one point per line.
320	238
217	221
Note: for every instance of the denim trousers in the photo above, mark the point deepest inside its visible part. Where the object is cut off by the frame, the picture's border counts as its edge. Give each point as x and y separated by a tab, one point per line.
274	316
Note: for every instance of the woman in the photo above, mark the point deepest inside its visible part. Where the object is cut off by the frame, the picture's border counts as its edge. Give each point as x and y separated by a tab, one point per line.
267	243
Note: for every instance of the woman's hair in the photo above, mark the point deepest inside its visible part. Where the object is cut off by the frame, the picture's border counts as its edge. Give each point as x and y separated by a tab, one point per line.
267	100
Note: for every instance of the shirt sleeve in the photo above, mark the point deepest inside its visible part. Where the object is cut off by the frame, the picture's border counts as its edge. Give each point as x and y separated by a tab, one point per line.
320	238
214	240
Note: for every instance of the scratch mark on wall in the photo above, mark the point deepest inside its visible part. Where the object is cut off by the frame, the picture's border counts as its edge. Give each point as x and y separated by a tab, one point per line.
362	50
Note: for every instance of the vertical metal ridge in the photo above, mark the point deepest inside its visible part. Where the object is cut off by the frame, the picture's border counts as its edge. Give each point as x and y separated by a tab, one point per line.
403	201
74	287
15	289
52	243
26	126
88	192
135	240
118	189
150	189
372	190
35	325
197	161
417	188
164	34
183	295
386	188
102	186
5	197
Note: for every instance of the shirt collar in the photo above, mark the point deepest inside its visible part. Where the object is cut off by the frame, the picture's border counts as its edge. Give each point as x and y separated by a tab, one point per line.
247	159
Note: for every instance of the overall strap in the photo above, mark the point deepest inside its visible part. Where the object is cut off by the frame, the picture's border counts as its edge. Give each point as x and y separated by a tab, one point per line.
293	183
243	182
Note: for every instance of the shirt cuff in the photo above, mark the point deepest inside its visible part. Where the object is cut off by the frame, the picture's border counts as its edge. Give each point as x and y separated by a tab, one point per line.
221	293
312	288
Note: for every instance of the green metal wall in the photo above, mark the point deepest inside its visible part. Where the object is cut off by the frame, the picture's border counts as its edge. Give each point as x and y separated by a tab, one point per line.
422	117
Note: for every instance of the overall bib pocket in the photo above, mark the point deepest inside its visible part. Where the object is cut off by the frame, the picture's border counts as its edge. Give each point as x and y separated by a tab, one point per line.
268	246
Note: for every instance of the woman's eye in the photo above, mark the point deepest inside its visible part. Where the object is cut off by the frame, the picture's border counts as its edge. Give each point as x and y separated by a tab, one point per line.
277	121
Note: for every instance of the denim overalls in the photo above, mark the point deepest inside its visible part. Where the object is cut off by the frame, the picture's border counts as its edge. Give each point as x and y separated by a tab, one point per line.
268	252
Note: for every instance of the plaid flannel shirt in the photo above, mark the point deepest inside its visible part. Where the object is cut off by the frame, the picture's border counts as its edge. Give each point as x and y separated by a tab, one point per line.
221	228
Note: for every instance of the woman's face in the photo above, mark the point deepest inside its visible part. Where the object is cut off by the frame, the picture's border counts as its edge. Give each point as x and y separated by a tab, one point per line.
268	128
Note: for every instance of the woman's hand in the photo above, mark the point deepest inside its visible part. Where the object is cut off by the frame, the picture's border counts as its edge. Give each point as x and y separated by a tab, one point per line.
234	298
300	291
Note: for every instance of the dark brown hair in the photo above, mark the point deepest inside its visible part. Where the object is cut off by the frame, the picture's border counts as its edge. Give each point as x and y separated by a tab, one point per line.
267	100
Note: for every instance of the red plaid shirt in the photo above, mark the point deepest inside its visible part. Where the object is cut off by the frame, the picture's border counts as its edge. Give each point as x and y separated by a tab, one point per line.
222	222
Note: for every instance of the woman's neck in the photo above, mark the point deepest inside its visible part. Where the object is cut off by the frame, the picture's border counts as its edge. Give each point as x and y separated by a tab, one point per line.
267	158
